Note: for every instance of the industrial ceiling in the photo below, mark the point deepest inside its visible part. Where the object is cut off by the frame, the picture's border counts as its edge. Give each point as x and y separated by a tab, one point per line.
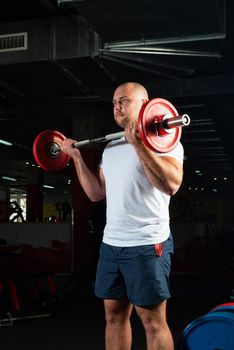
61	59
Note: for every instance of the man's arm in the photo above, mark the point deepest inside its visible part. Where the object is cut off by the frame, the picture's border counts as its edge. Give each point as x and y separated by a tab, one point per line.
92	183
164	173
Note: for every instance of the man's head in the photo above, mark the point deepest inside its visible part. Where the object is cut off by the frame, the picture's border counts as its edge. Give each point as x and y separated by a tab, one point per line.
127	100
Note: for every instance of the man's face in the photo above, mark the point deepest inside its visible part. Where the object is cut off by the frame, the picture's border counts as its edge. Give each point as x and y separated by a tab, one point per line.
126	105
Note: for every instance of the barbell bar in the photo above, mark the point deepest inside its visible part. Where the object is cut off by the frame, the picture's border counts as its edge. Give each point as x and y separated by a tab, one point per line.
165	126
159	126
8	321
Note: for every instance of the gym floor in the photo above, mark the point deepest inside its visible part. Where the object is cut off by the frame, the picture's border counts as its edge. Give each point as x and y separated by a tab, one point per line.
76	321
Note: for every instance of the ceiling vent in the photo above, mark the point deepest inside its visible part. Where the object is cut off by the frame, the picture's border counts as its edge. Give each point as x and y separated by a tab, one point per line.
13	42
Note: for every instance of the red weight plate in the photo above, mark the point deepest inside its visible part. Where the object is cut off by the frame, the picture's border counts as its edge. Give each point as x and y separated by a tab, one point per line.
150	111
44	142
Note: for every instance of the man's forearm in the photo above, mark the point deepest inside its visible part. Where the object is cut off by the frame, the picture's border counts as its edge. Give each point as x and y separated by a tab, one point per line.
90	183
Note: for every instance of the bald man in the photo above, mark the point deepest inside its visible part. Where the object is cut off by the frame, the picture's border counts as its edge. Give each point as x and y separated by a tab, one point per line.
135	255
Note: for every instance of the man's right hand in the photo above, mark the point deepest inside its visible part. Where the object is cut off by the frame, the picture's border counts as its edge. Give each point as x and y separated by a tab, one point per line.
68	148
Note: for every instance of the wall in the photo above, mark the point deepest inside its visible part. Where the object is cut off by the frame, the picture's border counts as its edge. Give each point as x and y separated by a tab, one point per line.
32	248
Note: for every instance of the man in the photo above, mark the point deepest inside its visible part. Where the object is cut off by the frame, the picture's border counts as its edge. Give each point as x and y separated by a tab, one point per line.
135	255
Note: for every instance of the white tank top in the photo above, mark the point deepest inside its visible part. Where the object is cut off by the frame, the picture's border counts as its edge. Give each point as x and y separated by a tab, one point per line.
137	212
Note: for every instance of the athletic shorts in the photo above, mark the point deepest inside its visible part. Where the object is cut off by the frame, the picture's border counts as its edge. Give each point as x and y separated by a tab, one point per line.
139	273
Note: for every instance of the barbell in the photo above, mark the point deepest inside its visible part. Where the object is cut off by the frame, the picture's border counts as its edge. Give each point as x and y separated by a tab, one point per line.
9	319
159	126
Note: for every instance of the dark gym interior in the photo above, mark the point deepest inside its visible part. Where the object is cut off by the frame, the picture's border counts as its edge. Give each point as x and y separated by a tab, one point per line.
60	61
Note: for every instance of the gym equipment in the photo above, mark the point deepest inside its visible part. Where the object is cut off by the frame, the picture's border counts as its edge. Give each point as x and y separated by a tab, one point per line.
8	321
229	307
47	153
159	126
211	331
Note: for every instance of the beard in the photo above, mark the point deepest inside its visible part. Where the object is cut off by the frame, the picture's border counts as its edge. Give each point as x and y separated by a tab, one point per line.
121	120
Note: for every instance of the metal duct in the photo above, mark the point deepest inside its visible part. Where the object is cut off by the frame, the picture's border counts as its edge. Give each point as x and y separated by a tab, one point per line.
47	40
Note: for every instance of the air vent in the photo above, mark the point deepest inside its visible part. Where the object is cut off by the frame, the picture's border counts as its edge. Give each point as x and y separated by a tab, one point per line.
13	42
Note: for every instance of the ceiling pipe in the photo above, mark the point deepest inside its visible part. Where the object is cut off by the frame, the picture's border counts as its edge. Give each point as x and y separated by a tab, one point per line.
149	61
169	40
137	66
163	51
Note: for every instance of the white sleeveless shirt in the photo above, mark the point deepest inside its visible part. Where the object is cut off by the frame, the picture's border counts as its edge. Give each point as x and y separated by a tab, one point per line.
137	212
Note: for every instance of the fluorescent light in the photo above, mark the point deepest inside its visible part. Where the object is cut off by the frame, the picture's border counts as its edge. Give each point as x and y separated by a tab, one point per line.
8	178
47	186
6	143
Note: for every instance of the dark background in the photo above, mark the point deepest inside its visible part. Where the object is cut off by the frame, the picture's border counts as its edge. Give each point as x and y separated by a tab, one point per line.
79	51
60	74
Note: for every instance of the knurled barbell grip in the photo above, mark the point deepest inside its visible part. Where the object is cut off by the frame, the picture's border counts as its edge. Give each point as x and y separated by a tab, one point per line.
108	137
55	148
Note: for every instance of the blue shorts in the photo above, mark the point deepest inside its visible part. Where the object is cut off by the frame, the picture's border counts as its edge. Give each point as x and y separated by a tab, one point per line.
138	273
